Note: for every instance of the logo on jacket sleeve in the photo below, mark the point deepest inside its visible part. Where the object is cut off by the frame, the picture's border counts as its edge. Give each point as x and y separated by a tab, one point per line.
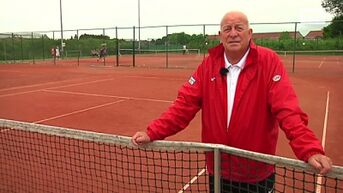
277	78
191	80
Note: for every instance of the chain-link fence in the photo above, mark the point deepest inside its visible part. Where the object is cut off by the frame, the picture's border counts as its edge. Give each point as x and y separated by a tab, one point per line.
176	46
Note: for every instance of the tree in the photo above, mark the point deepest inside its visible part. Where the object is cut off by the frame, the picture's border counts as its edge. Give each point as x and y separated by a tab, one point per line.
179	38
285	36
335	29
91	36
333	6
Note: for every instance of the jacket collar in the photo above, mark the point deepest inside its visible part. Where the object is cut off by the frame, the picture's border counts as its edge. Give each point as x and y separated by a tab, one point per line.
218	53
246	76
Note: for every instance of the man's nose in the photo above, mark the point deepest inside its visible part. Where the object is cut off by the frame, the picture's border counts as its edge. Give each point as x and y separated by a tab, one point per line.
233	33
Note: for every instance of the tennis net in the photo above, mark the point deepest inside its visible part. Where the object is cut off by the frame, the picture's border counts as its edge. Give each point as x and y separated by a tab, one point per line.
40	158
311	52
159	52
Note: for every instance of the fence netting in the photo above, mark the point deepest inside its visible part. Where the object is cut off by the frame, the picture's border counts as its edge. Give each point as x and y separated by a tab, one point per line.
130	46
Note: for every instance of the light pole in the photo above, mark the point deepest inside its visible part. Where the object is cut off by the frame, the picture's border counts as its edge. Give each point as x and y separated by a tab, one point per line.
62	49
139	24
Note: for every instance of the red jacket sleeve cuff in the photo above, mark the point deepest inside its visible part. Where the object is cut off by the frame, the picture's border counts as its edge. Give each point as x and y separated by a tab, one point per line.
151	135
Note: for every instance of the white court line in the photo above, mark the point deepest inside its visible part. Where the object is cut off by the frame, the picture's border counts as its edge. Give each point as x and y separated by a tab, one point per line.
320	178
19	93
36	85
192	181
78	93
25	92
78	111
155	77
82	83
321	63
109	96
80	79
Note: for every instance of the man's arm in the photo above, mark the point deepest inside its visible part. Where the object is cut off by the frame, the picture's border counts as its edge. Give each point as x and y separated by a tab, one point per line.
179	113
293	121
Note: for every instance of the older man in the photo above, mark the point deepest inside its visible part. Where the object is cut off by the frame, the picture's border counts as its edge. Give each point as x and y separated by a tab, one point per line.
245	96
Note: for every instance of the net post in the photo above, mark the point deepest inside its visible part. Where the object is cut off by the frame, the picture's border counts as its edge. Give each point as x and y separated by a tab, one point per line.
78	57
217	171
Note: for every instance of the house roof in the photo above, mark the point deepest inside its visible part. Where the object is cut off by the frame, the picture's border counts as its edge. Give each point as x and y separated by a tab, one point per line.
275	35
268	35
314	34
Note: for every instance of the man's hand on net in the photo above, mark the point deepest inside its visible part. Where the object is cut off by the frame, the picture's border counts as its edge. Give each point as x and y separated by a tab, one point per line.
140	138
321	162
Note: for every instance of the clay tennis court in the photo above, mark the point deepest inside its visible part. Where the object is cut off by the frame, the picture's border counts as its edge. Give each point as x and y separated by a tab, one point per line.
122	100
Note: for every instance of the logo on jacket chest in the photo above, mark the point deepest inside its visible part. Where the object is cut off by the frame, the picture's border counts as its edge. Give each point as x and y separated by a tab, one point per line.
277	78
191	80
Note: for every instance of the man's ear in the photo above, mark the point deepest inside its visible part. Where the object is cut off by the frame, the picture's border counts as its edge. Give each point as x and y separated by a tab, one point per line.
220	39
250	32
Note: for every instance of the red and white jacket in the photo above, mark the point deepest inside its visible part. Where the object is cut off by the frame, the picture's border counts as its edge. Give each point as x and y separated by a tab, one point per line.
264	101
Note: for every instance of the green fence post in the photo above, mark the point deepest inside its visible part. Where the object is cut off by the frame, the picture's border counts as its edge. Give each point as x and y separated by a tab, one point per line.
33	57
166	47
13	49
43	47
21	48
294	45
117	47
5	51
133	47
205	41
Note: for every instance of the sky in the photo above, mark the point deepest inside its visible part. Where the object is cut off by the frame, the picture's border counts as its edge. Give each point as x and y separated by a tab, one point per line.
44	15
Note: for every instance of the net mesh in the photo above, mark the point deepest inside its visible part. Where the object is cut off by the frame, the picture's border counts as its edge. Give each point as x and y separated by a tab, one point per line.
307	56
40	161
38	158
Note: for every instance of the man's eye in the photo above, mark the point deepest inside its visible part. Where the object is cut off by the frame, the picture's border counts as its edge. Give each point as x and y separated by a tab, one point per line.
239	29
227	29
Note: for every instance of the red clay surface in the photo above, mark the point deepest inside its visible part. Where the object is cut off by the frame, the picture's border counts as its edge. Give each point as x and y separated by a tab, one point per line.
102	97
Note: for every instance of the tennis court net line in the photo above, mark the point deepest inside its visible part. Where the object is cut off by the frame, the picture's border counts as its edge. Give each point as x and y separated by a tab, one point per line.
40	158
124	51
311	52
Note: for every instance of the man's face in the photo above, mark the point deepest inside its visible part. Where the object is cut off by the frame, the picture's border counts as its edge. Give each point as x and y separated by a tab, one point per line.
235	33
